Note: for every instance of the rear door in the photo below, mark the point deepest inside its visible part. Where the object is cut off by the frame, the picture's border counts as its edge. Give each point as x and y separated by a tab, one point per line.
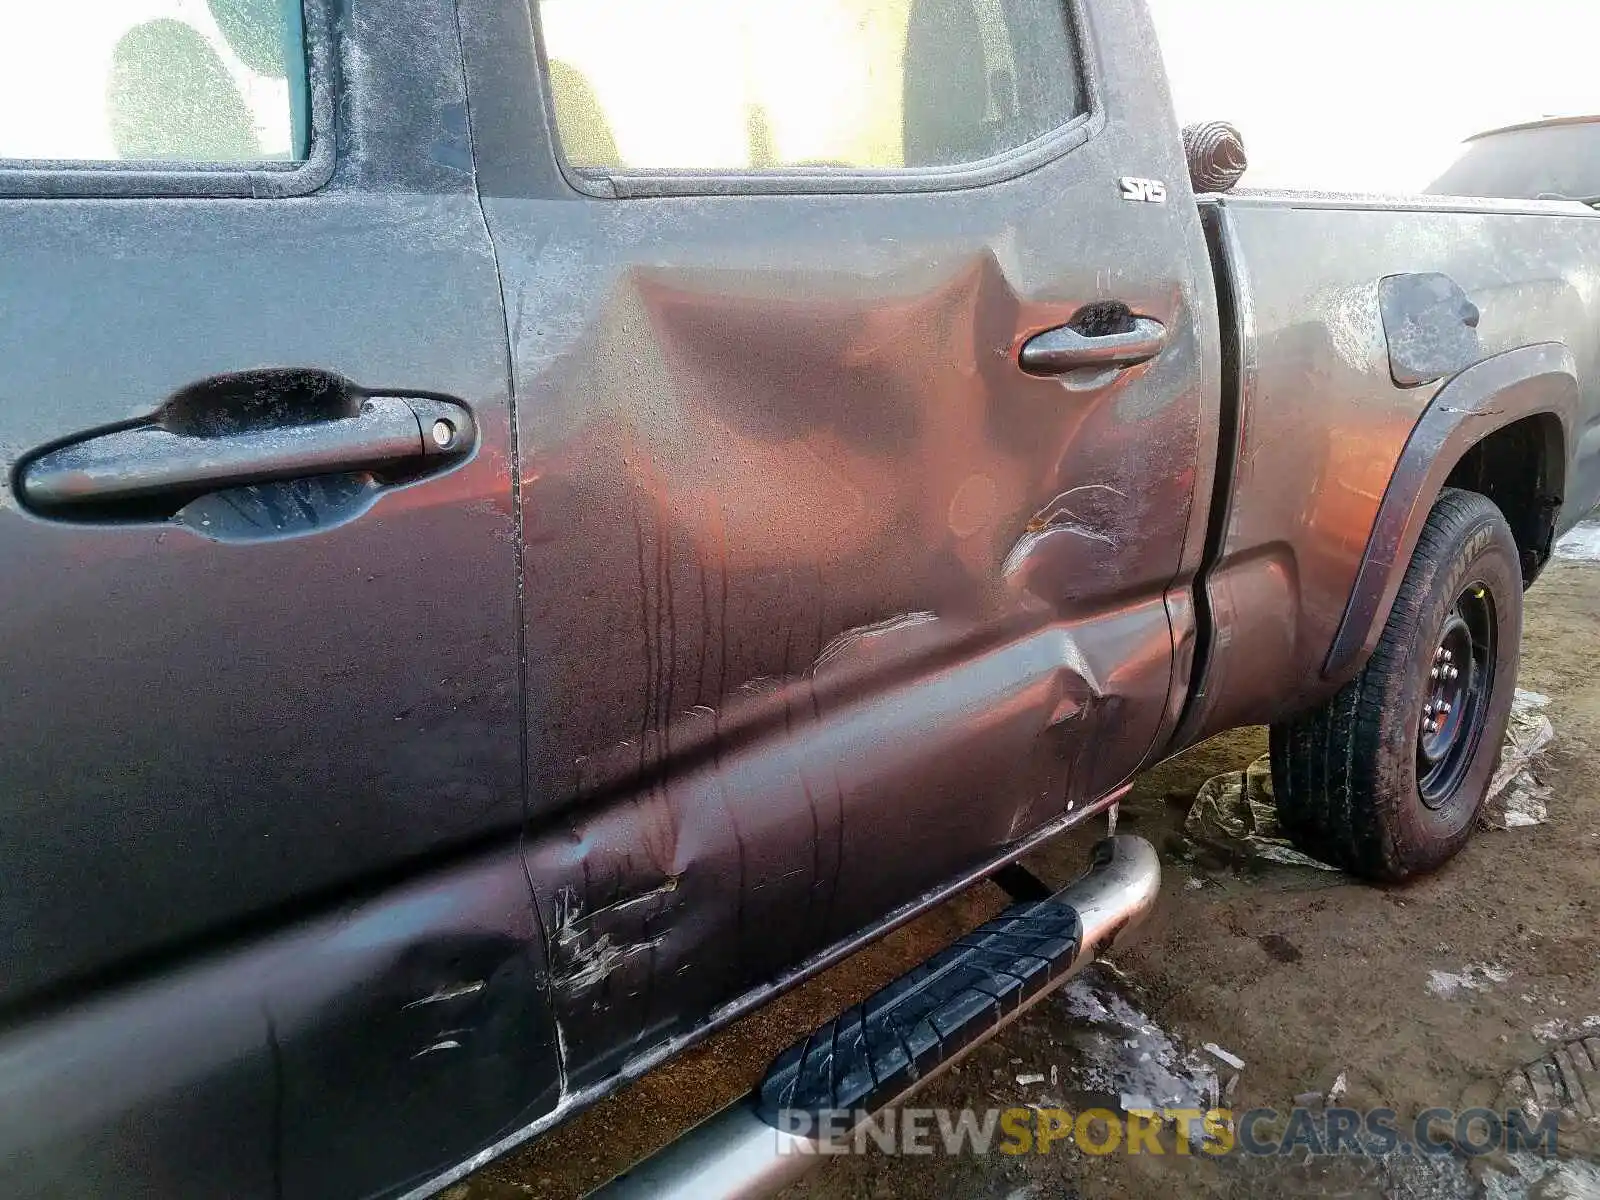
828	599
260	745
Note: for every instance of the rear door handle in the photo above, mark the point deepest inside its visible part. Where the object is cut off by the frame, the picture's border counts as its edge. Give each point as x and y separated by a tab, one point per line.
1056	351
148	460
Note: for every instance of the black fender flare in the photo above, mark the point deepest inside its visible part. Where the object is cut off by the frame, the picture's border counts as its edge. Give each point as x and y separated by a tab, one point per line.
1487	396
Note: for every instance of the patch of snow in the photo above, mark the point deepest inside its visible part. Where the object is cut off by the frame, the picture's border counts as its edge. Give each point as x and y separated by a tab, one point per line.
1547	1178
1581	543
1123	1053
1518	1176
1559	1030
1474	977
1233	1060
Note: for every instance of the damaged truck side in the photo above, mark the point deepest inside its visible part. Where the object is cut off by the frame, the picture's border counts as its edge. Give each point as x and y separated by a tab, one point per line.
639	509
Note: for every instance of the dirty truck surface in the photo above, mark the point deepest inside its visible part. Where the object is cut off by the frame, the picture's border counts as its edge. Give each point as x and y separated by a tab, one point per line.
499	588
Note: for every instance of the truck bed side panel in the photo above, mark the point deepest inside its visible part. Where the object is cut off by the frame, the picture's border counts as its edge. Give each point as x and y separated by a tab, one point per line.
1321	423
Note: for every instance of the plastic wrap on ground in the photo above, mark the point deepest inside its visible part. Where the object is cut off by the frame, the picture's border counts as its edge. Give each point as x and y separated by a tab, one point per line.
1516	796
1236	811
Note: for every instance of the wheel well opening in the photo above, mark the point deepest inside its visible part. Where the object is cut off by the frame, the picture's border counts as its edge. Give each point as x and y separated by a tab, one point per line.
1521	468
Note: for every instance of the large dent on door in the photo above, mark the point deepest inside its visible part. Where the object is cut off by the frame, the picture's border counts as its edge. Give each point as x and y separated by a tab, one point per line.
793	611
725	480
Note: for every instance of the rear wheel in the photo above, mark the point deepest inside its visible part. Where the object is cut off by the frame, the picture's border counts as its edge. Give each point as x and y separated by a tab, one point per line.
1387	778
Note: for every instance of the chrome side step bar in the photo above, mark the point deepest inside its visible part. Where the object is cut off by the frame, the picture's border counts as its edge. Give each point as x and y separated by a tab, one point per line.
877	1053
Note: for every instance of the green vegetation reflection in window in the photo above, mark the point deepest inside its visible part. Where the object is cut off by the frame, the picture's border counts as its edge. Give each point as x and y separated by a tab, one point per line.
218	81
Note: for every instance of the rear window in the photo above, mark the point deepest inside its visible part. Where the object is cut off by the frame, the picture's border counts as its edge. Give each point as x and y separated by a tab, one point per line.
217	81
750	85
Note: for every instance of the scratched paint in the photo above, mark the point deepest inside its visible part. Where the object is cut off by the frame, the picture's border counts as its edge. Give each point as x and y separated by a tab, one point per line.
866	638
580	955
448	993
1060	518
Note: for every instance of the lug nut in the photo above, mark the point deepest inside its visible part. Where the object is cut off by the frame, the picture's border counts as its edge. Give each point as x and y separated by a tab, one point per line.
1433	674
1454	672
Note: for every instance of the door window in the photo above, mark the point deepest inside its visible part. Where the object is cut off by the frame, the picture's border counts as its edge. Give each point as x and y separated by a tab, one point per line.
215	81
750	85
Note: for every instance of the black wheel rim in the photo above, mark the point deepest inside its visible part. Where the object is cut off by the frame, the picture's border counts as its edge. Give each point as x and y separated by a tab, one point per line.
1459	682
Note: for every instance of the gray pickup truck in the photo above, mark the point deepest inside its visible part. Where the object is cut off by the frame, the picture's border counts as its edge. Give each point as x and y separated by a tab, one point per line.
531	526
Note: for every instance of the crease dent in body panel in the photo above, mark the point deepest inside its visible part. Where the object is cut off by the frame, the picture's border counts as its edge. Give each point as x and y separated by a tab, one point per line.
1073	665
443	1044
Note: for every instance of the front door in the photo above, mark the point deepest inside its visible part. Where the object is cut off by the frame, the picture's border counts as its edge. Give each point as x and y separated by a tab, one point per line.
828	599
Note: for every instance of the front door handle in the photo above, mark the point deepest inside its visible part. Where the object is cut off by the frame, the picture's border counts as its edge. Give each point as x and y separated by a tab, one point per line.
1057	351
148	461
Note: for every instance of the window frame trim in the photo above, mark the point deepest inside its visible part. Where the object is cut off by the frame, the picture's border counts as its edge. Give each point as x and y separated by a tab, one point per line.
55	178
646	183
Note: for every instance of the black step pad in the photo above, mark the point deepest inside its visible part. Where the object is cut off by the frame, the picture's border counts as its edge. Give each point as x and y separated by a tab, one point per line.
874	1051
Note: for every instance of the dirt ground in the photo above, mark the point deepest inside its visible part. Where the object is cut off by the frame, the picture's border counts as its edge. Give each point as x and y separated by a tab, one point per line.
1429	994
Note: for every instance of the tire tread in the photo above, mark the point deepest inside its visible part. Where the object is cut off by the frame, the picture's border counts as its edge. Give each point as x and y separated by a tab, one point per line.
1327	765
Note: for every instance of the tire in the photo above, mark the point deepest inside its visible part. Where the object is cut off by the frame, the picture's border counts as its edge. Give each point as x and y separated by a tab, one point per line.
1353	785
